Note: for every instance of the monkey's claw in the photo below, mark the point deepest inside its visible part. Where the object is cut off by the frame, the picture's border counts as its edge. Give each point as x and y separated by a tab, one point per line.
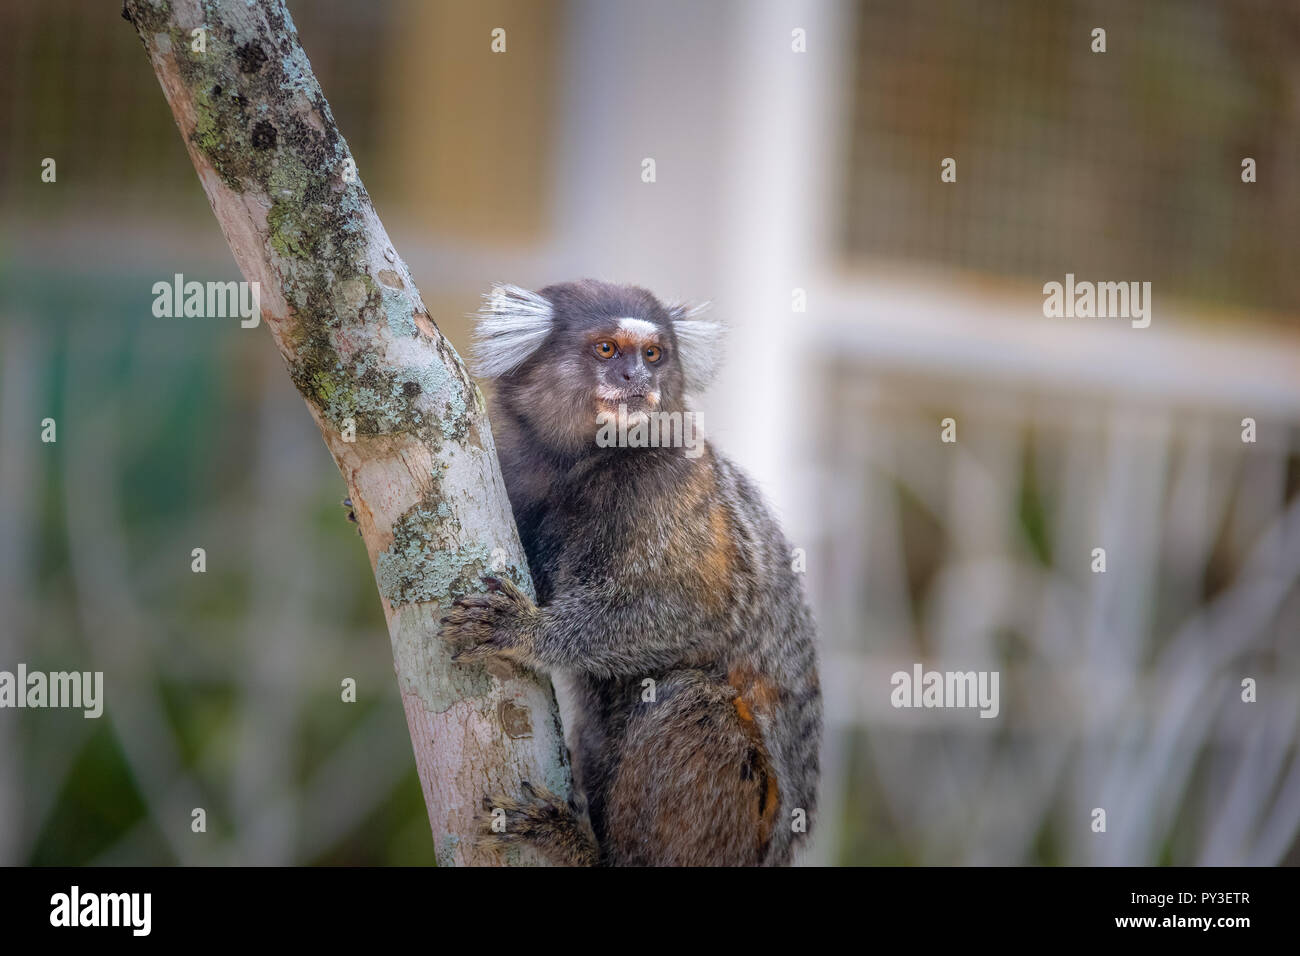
489	624
508	821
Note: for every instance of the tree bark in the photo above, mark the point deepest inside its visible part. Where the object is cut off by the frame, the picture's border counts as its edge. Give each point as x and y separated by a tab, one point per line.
360	346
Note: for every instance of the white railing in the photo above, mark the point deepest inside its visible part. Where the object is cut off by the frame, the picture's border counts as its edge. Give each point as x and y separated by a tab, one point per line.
1119	690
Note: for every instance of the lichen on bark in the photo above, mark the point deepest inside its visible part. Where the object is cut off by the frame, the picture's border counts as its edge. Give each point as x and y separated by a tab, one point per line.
403	419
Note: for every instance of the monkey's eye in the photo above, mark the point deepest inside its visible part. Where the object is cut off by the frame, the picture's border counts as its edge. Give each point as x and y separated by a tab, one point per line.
605	349
653	354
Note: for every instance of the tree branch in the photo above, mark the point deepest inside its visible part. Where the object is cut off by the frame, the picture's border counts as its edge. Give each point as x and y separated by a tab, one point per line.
363	351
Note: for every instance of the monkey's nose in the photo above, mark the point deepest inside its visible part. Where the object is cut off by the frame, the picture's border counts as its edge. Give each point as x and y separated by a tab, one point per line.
634	373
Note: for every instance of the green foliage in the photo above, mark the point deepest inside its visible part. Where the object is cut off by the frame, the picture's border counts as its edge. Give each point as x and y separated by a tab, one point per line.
178	427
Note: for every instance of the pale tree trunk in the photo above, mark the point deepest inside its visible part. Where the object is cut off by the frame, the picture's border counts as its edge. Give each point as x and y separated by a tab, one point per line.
359	344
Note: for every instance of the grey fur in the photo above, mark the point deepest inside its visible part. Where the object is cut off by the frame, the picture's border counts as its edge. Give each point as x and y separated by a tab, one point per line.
700	344
648	564
513	324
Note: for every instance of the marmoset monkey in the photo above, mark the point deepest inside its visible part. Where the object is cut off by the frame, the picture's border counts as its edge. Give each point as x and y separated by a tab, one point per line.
666	601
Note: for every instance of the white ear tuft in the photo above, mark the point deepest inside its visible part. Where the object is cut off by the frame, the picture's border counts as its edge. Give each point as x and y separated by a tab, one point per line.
512	325
699	344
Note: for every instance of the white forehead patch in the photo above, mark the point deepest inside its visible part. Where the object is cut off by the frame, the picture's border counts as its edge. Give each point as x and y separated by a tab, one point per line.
639	327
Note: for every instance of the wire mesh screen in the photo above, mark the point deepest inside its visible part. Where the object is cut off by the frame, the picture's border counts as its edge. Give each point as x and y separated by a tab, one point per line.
1125	163
73	90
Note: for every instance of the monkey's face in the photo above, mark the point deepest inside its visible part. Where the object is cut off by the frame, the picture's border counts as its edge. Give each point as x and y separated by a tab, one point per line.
579	354
613	353
630	362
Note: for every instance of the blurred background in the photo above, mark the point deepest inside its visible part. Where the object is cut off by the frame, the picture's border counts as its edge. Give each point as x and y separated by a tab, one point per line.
800	192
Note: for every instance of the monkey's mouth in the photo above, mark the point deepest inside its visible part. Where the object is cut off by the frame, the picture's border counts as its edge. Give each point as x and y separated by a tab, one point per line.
610	399
634	402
